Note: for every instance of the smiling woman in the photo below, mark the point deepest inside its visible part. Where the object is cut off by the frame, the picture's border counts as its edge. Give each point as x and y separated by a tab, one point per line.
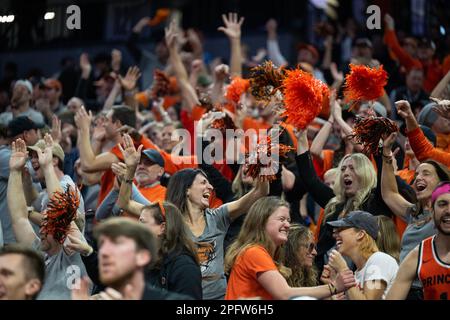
253	259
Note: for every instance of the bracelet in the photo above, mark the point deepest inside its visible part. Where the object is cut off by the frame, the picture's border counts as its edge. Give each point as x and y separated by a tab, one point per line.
385	156
333	289
129	180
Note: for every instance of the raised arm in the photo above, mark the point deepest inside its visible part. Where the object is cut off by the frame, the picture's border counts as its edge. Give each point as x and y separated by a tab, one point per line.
46	164
319	191
273	48
322	136
422	148
132	158
172	40
243	204
232	29
389	188
16	199
89	161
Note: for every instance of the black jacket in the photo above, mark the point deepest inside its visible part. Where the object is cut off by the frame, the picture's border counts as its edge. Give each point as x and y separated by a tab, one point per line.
178	273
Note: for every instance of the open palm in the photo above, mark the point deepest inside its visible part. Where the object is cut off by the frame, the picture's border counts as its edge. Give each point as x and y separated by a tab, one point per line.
232	25
130	154
19	155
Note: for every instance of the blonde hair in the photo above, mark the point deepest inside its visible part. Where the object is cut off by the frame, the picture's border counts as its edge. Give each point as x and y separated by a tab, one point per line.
367	181
367	246
253	232
388	240
300	276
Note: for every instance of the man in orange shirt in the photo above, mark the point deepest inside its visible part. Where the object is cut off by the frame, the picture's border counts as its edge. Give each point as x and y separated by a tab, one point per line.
147	182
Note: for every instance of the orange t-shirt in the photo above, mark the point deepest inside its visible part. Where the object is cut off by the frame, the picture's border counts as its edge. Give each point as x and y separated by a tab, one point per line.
155	193
433	273
243	282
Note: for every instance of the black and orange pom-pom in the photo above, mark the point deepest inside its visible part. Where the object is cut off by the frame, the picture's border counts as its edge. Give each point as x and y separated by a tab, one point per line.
61	211
260	163
265	80
303	97
236	89
364	83
224	123
161	84
369	131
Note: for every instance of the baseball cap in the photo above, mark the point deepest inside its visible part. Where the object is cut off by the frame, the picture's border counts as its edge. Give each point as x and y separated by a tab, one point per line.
53	84
358	219
154	156
427	116
21	124
24	83
56	149
363	42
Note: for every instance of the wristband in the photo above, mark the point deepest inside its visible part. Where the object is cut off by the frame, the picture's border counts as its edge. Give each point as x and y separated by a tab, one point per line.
129	180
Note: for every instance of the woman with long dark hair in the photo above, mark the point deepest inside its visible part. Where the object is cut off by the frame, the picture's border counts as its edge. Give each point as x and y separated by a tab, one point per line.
190	191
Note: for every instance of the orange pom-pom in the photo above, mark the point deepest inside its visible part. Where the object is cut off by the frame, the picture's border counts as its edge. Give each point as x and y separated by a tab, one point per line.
236	89
364	83
303	97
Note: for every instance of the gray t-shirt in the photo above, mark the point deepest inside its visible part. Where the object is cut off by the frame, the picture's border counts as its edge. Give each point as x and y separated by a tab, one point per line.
61	273
418	229
210	252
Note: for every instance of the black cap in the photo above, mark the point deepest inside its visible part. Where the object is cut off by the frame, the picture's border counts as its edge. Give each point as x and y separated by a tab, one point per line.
155	156
20	124
358	219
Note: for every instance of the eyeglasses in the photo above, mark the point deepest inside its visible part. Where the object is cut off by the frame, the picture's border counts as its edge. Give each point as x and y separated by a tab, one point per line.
310	247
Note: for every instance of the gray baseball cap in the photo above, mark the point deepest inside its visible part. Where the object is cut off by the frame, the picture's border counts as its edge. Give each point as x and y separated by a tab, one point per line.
427	116
358	219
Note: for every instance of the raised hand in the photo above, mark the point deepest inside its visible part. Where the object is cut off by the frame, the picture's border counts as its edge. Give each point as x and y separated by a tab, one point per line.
232	25
222	72
83	119
132	132
389	21
271	26
196	66
19	155
388	142
116	59
78	245
337	262
56	129
404	109
172	35
85	65
129	82
46	156
130	154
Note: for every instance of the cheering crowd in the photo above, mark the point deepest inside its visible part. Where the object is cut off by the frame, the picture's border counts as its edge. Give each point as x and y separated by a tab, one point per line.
106	193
